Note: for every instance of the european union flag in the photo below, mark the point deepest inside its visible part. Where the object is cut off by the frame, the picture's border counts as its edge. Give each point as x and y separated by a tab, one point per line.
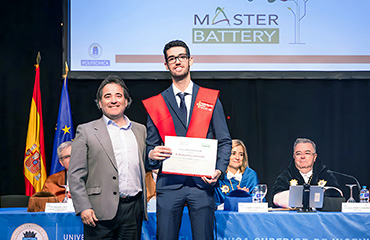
64	129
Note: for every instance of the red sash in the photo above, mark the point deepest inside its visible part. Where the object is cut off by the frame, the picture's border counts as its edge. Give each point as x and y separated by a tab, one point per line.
202	112
200	119
161	116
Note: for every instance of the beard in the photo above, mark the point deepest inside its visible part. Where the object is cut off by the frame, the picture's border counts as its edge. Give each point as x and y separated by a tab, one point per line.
180	75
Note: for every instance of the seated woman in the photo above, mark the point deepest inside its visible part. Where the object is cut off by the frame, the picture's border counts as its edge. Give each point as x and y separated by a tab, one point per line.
239	176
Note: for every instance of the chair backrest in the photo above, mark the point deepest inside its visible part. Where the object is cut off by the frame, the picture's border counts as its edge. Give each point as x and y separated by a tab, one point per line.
8	201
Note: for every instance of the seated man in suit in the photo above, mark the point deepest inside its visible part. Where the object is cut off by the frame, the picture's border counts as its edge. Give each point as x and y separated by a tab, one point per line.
304	169
54	183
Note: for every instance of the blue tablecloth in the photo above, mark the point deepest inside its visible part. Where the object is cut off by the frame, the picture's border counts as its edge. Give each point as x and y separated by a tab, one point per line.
277	225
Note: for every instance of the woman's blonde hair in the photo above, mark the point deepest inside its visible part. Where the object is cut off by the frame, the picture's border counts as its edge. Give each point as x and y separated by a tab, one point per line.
245	163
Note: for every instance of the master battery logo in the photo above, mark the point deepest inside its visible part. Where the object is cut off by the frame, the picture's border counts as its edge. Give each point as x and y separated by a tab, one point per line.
227	27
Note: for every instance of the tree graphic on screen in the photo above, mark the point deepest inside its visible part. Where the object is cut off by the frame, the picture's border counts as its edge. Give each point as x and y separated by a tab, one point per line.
299	11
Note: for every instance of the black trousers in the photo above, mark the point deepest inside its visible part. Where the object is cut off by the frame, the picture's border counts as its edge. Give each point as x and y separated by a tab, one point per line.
126	225
170	205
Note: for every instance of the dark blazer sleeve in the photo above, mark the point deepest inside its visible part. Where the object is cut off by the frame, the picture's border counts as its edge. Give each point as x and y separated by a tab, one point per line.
218	130
153	139
282	182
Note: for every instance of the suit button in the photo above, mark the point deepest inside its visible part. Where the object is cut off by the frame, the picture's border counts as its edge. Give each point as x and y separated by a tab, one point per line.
114	177
114	193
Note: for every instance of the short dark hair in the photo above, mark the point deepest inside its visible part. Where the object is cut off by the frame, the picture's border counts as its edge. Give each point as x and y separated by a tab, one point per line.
113	79
175	43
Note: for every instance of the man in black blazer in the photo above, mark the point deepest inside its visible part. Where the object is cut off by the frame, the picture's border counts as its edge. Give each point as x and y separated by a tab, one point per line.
106	173
166	116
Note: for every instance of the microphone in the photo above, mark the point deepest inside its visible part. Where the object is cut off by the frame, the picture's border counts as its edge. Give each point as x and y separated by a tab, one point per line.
349	176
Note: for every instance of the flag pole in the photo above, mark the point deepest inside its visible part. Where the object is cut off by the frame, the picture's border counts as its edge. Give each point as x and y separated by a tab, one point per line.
66	69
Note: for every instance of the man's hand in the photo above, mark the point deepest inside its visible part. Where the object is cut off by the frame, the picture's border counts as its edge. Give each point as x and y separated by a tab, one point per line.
214	177
160	153
88	217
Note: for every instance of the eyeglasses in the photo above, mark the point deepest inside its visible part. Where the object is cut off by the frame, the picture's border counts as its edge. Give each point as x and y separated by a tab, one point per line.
64	157
306	154
181	58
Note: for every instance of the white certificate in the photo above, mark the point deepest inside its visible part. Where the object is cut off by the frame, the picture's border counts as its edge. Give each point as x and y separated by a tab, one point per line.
191	156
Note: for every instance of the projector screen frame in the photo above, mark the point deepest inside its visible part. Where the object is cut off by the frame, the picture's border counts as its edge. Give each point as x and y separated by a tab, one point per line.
222	75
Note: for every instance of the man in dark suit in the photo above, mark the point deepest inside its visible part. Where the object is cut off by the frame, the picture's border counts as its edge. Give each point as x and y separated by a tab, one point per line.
185	109
106	174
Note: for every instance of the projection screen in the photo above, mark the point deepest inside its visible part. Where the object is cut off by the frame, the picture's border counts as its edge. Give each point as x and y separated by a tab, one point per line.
223	35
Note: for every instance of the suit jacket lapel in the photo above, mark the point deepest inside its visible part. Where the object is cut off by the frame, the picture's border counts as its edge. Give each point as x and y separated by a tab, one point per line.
171	100
193	97
102	135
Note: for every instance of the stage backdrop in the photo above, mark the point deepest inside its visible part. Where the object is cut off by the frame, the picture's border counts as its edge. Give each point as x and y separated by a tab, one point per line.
268	115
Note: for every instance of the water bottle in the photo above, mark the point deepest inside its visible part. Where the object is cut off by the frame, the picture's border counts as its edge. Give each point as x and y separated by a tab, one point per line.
364	195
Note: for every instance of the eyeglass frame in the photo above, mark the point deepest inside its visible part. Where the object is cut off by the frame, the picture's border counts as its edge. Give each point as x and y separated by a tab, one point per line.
64	157
177	58
306	154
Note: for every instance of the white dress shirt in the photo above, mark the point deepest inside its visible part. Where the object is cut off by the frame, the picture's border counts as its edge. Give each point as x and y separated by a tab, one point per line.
306	176
127	157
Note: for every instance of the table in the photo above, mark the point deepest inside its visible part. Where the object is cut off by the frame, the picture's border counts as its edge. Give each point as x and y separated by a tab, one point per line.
277	225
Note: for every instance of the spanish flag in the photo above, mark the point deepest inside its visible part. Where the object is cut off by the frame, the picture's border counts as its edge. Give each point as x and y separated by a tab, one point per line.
34	156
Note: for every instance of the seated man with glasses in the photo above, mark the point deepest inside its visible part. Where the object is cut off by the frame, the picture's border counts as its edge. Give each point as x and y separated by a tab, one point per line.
304	169
55	183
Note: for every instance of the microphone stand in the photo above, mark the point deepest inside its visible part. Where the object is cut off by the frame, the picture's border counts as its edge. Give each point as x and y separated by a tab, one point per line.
349	176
